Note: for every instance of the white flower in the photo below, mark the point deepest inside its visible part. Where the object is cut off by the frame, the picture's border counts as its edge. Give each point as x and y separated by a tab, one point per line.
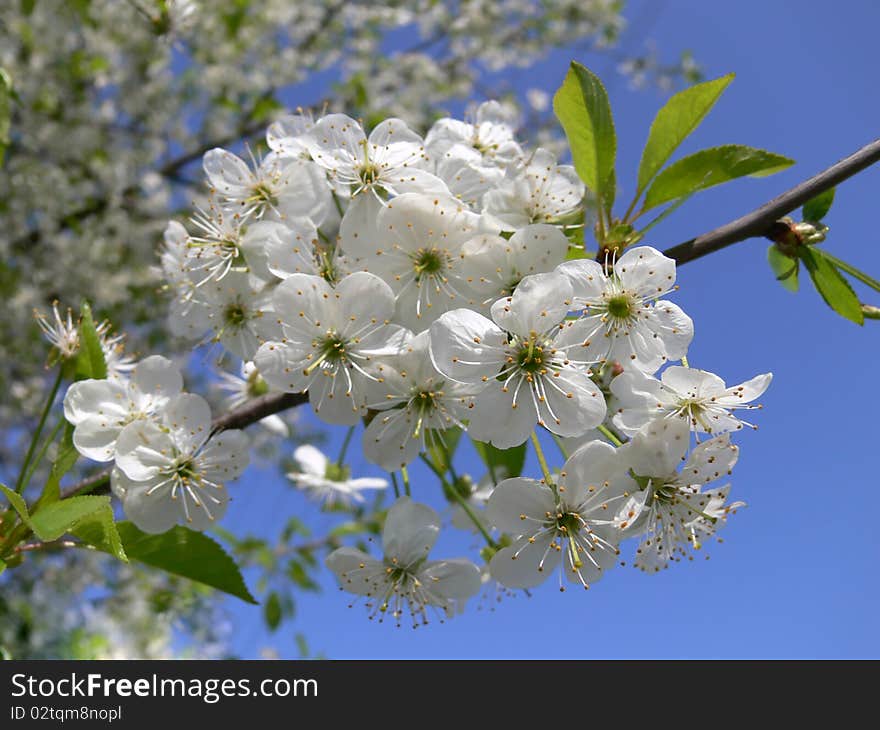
491	135
62	333
176	472
495	265
417	403
404	580
622	318
542	192
391	162
530	363
287	136
418	252
331	338
671	509
249	385
282	187
119	365
233	309
298	249
696	396
574	519
100	409
328	481
472	158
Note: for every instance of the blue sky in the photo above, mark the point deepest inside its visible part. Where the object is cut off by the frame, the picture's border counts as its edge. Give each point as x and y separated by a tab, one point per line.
796	575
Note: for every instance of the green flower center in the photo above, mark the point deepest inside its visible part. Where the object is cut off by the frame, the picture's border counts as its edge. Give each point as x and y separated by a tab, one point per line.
531	357
620	306
337	472
369	174
428	262
235	315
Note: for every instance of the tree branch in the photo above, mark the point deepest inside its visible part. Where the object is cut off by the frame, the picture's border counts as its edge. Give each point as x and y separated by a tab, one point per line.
758	223
241	417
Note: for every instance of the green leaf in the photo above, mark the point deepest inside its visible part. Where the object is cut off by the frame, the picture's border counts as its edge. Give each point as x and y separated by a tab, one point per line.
784	267
582	107
680	116
17	503
442	446
817	208
53	520
502	463
831	285
2	567
102	520
64	461
272	611
180	551
90	360
710	167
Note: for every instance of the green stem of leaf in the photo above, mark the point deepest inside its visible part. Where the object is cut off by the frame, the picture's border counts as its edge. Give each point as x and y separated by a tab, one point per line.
462	502
346	441
609	434
542	460
20	483
36	462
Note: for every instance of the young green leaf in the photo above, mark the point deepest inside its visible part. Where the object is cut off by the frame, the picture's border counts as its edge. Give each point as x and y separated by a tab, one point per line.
817	208
90	362
64	461
272	611
784	267
831	285
711	167
180	551
582	107
502	463
51	521
102	520
680	116
17	502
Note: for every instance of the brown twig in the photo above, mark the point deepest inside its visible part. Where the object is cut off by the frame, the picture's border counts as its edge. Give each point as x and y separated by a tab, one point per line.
759	222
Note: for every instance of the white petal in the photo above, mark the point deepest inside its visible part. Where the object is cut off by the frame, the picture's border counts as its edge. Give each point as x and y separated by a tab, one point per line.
586	277
658	449
646	271
466	347
310	460
709	461
495	419
227	172
355	570
95	438
153	513
225	456
358	231
89	398
450	580
154	381
520	505
674	327
143	449
362	298
746	392
539	303
410	531
525	564
189	418
573	403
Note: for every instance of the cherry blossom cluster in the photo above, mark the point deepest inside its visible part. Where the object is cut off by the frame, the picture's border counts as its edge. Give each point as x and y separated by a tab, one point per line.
169	467
417	285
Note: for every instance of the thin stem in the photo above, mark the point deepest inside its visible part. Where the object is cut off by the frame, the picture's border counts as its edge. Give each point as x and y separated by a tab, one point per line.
404	474
395	485
853	271
42	452
19	484
561	446
539	452
461	501
609	434
341	460
54	545
684	361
